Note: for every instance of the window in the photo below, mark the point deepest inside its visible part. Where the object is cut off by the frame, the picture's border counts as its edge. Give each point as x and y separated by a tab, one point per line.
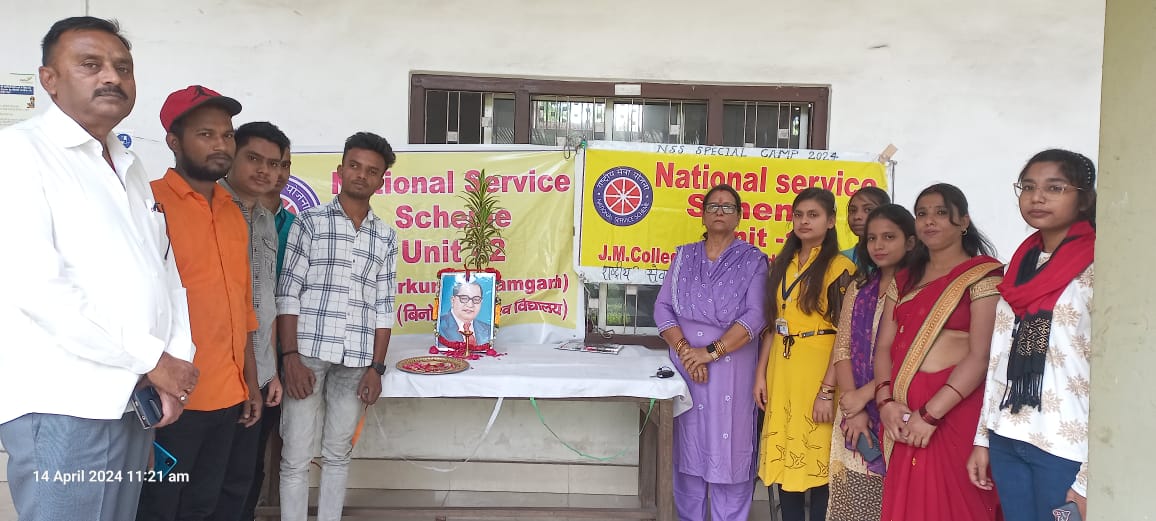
766	125
454	116
462	109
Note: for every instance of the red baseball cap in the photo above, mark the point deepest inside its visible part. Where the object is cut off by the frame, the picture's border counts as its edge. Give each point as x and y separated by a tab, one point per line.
185	100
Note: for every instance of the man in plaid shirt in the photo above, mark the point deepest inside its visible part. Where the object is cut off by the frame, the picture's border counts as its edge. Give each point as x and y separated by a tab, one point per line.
335	300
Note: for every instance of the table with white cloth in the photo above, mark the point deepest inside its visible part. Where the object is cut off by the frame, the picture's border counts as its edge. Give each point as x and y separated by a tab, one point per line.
542	372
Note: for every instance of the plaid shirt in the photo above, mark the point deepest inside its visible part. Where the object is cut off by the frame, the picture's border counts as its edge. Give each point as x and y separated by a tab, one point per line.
340	282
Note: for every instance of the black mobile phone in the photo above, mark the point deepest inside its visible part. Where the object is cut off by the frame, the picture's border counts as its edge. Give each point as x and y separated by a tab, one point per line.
1067	512
147	404
870	451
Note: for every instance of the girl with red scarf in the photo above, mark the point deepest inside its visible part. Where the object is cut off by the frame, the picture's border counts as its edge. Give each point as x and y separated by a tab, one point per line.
1034	426
931	358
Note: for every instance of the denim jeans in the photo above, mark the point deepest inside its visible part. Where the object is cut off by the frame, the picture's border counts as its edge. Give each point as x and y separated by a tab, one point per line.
1030	482
335	393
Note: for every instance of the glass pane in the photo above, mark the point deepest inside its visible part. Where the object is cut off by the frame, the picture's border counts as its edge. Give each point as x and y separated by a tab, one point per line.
783	126
734	120
647	296
503	121
435	116
470	118
694	116
452	117
592	292
766	124
656	120
615	304
797	125
750	123
567	119
627	121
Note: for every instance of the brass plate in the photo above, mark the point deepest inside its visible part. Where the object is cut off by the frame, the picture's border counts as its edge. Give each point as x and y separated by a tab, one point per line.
433	364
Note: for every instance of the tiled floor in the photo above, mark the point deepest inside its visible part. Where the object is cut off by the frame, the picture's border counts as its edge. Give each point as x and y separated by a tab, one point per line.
363	497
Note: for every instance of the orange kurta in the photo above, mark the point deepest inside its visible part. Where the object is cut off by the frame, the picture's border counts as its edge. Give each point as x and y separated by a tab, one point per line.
211	245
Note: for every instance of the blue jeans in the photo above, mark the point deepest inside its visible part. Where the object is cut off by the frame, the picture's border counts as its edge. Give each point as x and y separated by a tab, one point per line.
1030	482
334	405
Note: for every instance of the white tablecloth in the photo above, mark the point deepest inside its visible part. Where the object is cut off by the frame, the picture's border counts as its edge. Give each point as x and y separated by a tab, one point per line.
539	371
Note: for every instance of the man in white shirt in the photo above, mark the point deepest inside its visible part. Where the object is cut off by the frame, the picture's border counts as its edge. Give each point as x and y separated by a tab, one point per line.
91	303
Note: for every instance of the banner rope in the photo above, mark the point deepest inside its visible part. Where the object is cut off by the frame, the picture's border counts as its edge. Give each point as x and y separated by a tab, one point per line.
537	410
474	452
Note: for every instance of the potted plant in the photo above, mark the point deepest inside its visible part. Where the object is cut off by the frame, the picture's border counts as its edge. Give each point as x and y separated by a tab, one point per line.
479	238
468	305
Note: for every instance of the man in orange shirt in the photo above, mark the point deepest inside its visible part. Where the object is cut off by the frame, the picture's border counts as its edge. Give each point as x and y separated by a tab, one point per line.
210	240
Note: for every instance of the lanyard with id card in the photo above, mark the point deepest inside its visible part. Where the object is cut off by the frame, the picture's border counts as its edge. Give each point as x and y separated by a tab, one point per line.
781	326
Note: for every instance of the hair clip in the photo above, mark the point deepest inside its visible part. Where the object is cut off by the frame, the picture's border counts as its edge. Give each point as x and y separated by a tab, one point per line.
1089	170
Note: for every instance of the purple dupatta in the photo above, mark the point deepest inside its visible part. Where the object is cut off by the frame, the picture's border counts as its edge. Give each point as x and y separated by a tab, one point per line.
863	330
712	292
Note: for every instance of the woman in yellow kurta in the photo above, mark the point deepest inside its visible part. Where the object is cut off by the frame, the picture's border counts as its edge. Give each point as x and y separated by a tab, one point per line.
805	286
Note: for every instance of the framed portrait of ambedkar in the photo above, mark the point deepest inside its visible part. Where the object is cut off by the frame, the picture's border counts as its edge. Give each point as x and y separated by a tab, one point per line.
466	310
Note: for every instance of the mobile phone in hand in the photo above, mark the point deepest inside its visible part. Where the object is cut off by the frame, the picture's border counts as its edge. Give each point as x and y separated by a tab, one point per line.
147	404
869	450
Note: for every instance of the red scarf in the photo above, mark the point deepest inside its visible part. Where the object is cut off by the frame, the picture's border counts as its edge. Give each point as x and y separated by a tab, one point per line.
1032	294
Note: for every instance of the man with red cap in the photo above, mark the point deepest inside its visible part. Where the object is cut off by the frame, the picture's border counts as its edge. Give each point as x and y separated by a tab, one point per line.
210	240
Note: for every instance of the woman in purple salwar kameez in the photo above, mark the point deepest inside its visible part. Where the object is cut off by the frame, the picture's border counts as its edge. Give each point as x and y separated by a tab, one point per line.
710	312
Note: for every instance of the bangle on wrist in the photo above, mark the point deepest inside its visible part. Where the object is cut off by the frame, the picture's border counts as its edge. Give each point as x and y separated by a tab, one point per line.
927	417
885	402
287	353
825	398
881	385
952	387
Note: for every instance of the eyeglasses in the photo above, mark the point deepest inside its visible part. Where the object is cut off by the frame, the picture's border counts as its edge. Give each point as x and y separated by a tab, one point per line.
1051	191
466	299
725	209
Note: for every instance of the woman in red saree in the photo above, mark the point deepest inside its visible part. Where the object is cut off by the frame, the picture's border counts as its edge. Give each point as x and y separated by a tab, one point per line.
933	342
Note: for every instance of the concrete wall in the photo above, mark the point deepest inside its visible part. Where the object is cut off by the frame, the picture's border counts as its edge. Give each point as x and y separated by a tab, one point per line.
1123	350
966	90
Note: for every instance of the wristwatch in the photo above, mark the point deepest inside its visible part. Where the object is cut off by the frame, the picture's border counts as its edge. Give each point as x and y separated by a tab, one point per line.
379	367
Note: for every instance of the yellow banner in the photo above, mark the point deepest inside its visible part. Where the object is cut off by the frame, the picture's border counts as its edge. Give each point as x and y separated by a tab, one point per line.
420	200
639	205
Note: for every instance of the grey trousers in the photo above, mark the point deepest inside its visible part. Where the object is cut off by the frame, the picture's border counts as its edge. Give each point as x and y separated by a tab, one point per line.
335	405
62	467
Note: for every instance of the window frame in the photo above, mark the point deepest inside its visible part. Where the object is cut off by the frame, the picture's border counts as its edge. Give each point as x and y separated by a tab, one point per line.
524	89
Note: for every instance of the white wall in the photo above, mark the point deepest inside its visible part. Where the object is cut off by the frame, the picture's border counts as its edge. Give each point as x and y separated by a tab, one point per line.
966	90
